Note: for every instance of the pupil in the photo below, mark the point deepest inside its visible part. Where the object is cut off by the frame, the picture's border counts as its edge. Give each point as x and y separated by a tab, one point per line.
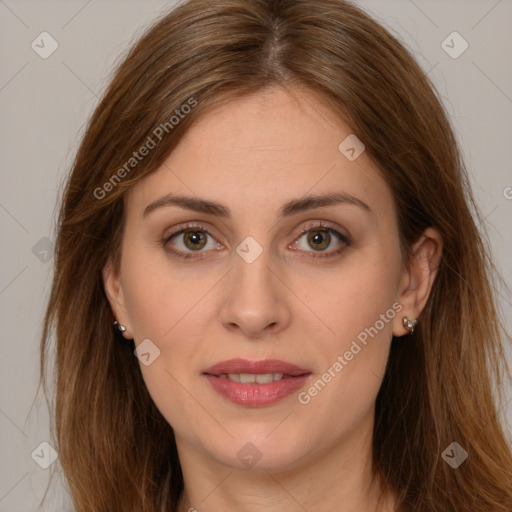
195	238
319	238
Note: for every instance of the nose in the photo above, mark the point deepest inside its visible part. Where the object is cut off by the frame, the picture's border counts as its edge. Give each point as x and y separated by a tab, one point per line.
255	301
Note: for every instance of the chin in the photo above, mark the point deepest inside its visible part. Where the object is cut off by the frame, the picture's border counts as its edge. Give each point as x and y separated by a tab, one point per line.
268	452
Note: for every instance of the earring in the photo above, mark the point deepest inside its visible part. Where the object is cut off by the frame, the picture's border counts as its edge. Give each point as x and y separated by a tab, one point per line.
120	329
409	324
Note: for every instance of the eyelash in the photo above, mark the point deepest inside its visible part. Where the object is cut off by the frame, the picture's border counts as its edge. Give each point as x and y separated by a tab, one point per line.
320	226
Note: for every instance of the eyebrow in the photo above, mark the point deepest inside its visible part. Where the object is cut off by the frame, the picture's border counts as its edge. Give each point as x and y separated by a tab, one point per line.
288	209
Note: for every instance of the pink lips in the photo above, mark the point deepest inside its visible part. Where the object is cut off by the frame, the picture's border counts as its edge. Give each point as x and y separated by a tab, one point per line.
265	366
254	394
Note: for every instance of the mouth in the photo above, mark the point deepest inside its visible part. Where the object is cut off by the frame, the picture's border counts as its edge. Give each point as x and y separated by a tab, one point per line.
255	383
249	378
267	367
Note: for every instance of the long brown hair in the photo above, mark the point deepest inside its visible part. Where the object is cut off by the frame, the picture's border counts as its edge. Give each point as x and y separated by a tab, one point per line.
116	449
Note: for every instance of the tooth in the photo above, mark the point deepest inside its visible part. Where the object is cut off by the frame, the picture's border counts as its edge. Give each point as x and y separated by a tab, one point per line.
264	378
247	378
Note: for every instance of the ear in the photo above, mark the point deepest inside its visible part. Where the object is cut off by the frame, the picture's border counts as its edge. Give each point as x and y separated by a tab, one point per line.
418	278
115	296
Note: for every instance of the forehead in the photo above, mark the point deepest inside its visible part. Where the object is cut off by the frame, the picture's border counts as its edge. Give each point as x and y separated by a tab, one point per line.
260	151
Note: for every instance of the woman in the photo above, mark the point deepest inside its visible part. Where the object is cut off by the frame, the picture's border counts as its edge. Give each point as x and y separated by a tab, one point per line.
269	210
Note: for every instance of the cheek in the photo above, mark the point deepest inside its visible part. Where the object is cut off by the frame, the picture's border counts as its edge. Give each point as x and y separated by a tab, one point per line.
149	304
166	308
352	297
357	306
352	361
159	295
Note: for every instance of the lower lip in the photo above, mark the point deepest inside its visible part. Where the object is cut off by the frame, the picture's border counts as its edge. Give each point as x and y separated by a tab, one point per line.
255	394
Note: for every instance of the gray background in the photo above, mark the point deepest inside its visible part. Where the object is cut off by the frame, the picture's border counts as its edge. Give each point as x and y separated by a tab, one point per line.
44	104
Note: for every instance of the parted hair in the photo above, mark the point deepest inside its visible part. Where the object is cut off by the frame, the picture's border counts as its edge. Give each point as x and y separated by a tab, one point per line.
116	450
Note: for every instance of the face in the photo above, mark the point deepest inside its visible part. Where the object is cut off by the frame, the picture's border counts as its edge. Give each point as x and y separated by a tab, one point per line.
263	274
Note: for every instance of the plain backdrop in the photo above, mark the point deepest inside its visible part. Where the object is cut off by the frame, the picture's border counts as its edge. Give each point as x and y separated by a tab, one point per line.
45	102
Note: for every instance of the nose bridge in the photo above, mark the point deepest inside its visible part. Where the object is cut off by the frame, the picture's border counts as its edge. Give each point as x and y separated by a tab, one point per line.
253	277
254	303
252	281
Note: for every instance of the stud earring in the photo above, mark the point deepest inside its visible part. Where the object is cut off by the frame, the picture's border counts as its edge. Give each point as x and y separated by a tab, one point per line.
409	324
120	328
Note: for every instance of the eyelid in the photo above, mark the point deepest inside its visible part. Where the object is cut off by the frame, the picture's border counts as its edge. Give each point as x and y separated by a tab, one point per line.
321	225
186	226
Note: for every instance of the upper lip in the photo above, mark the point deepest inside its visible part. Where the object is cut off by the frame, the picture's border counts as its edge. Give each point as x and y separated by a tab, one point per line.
255	367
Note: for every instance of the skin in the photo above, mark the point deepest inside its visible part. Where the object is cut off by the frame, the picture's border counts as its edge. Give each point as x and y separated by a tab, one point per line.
253	155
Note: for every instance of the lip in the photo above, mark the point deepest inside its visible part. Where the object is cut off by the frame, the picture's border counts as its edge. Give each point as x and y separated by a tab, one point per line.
254	394
265	366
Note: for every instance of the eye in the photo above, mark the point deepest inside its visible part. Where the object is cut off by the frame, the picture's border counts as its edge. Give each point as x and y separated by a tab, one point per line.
189	239
319	237
193	238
